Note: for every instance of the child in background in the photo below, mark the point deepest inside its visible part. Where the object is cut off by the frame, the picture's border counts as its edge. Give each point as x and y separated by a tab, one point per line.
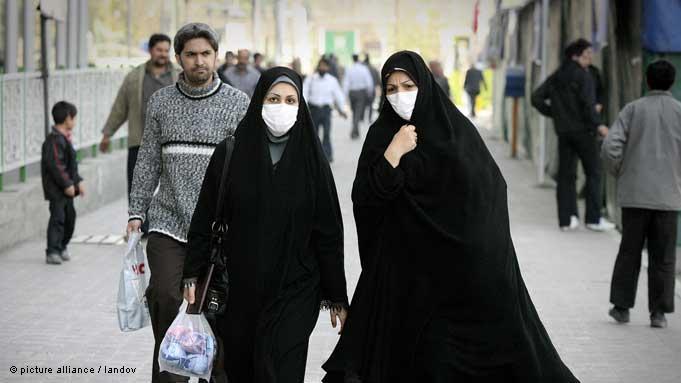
61	181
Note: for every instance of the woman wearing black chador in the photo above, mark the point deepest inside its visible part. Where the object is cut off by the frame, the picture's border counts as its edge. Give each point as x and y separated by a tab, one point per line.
284	242
440	297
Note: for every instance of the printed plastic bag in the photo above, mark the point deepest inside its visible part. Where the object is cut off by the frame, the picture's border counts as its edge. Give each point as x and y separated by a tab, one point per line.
189	346
133	313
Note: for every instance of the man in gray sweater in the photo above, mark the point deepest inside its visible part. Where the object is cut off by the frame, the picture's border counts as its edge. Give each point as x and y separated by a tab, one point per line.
184	123
643	150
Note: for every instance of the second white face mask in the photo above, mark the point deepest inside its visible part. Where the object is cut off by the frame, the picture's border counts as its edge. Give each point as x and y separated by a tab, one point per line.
279	117
403	103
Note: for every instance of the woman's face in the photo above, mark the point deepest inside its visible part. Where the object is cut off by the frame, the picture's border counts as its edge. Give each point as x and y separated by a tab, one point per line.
399	81
282	93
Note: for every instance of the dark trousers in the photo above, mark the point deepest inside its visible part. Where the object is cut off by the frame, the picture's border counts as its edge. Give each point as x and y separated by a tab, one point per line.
358	100
582	146
370	107
132	160
164	294
61	224
321	116
472	97
659	229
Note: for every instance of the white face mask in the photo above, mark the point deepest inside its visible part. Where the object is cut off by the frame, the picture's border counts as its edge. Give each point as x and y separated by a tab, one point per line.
403	103
279	117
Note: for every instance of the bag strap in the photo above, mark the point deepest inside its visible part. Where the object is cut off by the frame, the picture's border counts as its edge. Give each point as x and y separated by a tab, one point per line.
218	223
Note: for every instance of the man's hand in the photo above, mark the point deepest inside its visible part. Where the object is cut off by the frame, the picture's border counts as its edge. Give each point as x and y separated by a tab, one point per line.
603	130
104	144
81	189
599	108
134	226
338	315
70	191
343	114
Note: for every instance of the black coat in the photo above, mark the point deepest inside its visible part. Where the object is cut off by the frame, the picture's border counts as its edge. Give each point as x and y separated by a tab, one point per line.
435	243
571	91
58	166
284	245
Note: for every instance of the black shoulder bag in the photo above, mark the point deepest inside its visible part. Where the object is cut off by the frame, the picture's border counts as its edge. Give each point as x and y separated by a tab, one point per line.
212	289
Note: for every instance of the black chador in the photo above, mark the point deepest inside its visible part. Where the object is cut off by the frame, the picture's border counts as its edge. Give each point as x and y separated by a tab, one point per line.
440	297
284	244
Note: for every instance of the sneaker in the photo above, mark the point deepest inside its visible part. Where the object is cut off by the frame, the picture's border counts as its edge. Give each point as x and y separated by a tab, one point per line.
621	315
602	225
658	320
65	256
574	224
53	259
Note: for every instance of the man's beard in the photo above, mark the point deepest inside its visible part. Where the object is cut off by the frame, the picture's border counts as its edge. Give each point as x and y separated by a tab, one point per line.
198	78
160	62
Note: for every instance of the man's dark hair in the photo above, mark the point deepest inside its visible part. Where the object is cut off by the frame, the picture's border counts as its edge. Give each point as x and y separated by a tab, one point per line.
194	31
63	109
660	75
323	61
576	48
257	55
158	38
355	58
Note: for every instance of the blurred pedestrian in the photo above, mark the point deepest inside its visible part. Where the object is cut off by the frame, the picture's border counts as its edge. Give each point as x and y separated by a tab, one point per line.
133	97
285	236
358	85
474	78
230	61
568	96
376	77
258	59
323	93
242	75
184	124
61	182
440	78
643	151
441	297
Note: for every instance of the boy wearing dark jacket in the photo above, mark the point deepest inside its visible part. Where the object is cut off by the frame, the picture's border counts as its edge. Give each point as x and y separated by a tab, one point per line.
61	182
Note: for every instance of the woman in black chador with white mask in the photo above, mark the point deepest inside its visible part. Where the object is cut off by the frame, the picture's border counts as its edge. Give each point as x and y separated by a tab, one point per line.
440	297
285	238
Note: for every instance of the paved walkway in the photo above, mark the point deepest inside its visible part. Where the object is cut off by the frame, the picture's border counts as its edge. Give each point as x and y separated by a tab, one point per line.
65	315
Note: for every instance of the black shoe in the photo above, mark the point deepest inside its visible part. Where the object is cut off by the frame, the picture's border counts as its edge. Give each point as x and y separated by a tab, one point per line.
621	315
53	259
657	320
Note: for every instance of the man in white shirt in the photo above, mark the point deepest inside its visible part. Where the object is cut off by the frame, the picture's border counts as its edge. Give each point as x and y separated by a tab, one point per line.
358	85
323	92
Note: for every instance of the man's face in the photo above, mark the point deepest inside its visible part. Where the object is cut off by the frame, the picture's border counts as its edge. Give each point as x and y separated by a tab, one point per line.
323	68
586	58
198	60
257	61
242	58
160	53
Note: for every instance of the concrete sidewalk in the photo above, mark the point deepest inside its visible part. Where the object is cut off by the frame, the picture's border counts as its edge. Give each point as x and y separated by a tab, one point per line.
65	315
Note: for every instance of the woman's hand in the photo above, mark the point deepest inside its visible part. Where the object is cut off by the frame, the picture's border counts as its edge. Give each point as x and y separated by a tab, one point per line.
403	142
189	294
338	315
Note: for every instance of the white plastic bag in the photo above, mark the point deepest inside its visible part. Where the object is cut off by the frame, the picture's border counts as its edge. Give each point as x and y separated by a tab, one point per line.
189	346
133	313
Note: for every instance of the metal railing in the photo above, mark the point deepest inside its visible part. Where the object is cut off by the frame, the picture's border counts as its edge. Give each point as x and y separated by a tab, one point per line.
22	123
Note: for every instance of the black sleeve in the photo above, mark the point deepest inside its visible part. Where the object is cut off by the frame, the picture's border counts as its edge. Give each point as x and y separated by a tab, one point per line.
540	96
54	151
378	183
199	236
327	240
587	98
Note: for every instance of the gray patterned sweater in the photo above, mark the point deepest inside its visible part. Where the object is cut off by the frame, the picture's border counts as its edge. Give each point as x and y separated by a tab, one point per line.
183	125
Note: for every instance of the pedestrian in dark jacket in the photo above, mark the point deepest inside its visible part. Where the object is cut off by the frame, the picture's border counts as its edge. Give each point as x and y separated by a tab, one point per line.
643	151
61	182
569	97
471	85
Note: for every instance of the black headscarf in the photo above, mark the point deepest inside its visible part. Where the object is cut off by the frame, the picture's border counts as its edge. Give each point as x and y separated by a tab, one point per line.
435	241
